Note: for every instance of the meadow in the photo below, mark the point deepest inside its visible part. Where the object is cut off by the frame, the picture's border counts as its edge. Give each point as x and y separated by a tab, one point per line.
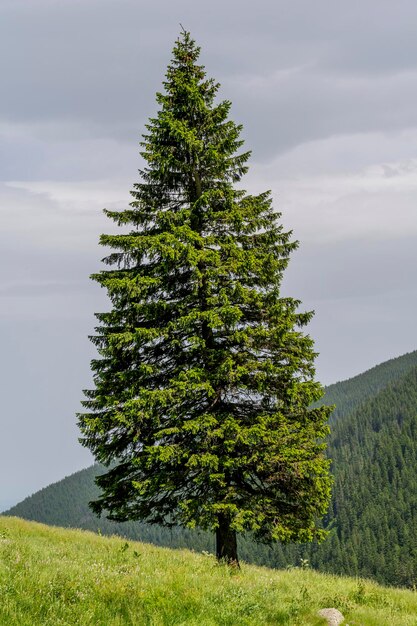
53	576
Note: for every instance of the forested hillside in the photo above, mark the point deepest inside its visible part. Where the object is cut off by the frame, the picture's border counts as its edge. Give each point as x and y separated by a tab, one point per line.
373	515
349	394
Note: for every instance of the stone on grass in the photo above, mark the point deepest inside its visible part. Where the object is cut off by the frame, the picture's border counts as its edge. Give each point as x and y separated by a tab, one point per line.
333	616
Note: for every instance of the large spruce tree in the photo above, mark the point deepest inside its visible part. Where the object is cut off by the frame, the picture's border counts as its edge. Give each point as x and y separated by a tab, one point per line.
204	381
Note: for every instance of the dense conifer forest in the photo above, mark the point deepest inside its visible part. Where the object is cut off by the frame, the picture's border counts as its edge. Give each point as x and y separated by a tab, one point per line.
372	520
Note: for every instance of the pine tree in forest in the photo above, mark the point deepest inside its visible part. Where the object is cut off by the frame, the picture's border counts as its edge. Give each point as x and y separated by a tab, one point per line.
204	380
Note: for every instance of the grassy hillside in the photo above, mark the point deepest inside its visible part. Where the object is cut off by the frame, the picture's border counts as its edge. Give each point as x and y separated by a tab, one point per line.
55	577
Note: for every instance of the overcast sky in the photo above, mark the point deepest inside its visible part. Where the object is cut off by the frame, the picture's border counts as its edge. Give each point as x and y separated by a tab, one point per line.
327	94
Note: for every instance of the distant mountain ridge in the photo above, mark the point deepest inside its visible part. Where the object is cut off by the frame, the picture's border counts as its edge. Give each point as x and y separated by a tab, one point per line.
347	395
373	514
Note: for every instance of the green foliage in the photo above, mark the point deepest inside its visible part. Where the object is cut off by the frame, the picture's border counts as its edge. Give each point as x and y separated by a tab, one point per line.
55	577
204	385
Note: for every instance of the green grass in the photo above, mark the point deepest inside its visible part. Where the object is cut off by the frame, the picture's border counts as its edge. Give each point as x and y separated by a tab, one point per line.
51	576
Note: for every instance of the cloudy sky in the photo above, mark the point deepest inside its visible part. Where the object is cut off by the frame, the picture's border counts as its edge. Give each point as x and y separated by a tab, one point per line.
327	95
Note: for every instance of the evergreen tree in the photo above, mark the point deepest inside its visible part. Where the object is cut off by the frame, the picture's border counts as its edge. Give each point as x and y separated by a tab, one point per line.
204	381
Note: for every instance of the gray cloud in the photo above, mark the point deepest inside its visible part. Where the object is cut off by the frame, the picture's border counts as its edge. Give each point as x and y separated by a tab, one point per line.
296	107
42	288
98	64
350	270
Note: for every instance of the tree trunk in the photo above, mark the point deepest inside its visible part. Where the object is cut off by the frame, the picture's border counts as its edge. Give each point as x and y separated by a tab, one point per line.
226	543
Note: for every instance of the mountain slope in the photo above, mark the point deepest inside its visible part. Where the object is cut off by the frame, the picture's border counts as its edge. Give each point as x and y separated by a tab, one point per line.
373	514
51	576
349	394
373	517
